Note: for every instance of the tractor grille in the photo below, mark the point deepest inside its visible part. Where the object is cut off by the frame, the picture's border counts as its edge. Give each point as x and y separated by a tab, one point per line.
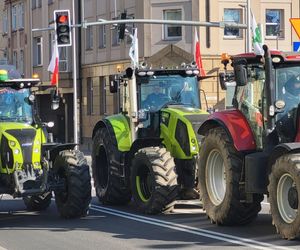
25	138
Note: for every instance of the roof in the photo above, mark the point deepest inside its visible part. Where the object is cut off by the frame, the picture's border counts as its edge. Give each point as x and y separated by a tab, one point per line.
286	56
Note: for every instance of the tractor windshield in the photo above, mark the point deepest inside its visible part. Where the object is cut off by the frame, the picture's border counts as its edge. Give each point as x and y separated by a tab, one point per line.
288	86
165	90
13	106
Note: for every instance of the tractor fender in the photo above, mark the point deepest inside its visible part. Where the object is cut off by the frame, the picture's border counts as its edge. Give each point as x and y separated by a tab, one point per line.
119	131
236	127
143	143
55	148
282	149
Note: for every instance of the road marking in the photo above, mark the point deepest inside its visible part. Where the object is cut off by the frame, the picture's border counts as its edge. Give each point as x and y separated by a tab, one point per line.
188	229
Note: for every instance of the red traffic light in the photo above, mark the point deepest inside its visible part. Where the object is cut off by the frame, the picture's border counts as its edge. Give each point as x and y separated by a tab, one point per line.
62	19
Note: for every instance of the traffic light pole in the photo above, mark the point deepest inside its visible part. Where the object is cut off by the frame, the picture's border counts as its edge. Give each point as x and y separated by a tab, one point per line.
75	102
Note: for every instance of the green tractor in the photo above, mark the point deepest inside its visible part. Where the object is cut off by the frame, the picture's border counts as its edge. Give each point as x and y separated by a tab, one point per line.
149	151
32	166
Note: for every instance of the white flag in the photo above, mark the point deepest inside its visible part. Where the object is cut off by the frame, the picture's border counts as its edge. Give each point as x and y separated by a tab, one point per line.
257	41
134	50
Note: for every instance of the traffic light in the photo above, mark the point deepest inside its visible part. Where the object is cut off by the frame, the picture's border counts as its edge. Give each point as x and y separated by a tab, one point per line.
122	26
62	28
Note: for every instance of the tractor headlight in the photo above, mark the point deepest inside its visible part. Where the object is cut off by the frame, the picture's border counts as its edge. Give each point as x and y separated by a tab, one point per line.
16	151
12	143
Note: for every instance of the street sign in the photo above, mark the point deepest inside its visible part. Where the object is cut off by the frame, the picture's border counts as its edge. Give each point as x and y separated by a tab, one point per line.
295	22
296	46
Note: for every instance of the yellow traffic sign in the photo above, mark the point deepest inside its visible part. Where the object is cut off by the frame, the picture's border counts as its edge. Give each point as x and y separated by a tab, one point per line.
296	25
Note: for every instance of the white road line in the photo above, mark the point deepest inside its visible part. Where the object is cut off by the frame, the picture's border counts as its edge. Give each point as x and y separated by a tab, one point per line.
188	229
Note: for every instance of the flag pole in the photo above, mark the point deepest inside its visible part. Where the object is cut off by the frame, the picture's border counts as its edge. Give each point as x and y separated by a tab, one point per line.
248	38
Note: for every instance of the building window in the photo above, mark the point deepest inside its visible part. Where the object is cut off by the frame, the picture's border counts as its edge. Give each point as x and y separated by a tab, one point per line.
4	22
115	41
172	31
14	17
232	15
37	51
15	59
102	95
36	4
89	38
102	36
50	2
90	95
274	23
21	15
21	62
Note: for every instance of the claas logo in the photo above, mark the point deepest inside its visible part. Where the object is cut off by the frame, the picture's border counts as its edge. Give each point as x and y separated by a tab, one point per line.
62	28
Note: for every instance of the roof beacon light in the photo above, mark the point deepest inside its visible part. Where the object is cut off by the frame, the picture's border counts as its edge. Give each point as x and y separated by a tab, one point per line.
225	58
3	75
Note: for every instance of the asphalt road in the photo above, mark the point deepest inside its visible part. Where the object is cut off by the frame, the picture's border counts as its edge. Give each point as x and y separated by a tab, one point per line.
187	227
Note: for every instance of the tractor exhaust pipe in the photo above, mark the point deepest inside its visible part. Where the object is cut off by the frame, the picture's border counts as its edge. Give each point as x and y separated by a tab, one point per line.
269	89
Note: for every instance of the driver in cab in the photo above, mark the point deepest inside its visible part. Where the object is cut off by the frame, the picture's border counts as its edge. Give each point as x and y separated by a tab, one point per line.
156	99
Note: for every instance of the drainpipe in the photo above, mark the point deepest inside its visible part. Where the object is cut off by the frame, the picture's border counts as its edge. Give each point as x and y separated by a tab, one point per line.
207	19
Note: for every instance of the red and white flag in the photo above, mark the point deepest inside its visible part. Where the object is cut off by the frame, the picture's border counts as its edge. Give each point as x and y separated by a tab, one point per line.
197	54
54	64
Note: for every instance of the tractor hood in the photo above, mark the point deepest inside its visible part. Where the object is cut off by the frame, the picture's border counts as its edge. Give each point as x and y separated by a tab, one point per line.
195	116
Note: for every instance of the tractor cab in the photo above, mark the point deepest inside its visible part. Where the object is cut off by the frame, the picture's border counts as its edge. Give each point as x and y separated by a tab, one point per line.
263	104
161	89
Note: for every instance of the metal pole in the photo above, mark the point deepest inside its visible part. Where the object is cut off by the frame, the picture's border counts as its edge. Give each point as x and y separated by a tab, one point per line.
249	42
115	8
75	108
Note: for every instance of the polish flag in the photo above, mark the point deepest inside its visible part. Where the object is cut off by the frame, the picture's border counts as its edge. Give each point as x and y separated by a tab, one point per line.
197	55
54	65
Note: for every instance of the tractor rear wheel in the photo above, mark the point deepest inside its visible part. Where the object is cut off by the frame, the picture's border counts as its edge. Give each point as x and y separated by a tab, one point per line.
220	170
284	191
153	180
74	201
110	188
38	202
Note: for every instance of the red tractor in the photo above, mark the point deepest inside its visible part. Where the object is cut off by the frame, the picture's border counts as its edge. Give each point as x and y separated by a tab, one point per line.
253	149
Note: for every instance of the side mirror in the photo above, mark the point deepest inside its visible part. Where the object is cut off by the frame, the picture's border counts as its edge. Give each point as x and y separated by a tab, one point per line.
55	99
240	73
226	80
129	72
113	86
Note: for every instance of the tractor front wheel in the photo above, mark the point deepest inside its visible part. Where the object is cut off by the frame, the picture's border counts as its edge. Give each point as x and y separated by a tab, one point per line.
153	180
38	202
284	195
110	188
220	170
74	200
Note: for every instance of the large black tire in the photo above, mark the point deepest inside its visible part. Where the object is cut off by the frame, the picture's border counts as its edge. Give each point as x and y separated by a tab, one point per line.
284	195
74	201
110	188
153	180
38	202
220	191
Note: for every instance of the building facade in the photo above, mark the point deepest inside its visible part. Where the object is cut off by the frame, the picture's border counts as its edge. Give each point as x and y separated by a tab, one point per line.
101	55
